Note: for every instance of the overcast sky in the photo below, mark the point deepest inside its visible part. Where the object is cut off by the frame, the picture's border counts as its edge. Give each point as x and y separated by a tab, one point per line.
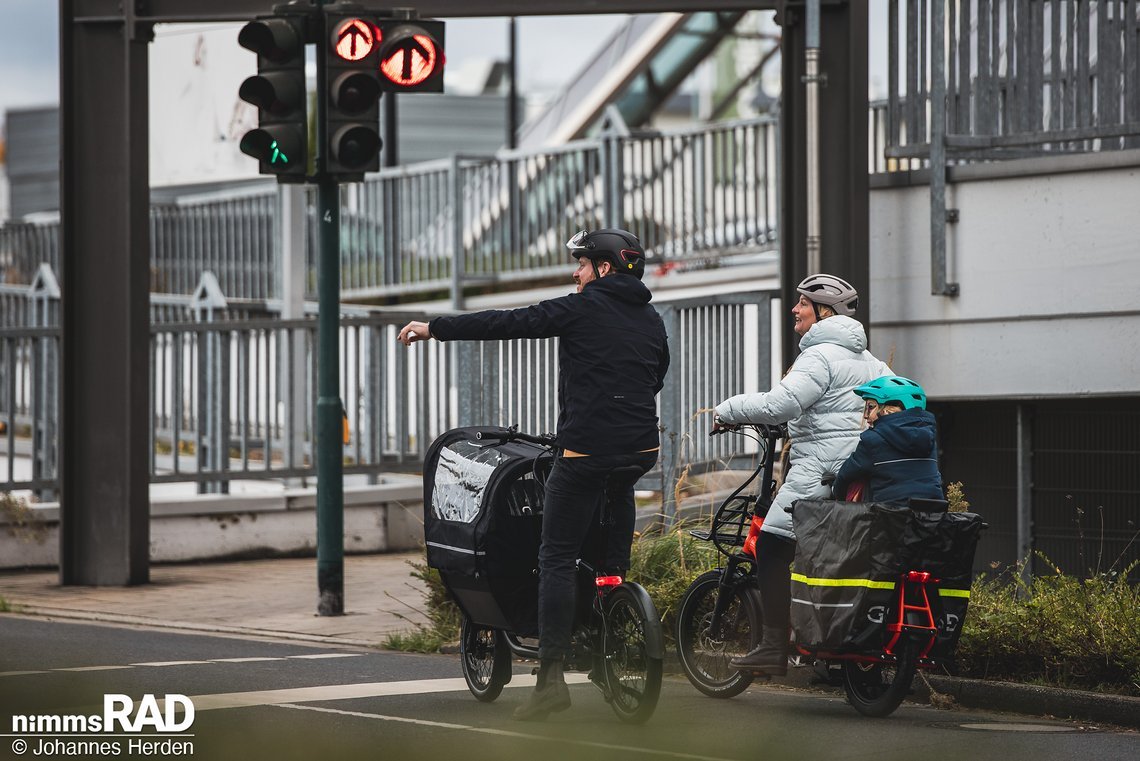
550	48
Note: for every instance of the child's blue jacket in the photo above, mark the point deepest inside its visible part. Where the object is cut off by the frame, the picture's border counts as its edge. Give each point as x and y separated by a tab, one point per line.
898	459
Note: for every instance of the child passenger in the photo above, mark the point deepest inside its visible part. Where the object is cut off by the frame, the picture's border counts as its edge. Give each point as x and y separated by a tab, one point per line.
897	457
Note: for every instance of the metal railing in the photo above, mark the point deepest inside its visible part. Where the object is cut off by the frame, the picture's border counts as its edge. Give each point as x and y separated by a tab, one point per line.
1017	78
690	195
983	80
235	399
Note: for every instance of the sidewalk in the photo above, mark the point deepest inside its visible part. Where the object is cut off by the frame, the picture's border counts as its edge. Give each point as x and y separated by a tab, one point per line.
278	599
268	598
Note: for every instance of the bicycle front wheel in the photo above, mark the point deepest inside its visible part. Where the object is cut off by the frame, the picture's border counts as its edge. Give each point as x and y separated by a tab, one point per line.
877	689
633	673
704	657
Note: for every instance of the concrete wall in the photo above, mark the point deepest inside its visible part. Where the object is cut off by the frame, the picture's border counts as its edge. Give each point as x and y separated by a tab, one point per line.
1047	256
383	518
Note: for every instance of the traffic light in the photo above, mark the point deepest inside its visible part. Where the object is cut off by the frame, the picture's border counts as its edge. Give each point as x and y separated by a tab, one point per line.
278	90
352	82
411	55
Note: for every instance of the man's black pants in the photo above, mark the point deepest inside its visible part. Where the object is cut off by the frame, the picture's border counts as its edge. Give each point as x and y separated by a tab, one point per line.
571	507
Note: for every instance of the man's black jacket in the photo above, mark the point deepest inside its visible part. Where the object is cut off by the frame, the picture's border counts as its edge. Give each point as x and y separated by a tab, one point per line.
612	359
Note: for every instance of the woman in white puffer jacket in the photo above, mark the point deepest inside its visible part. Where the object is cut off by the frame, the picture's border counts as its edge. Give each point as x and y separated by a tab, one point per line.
824	422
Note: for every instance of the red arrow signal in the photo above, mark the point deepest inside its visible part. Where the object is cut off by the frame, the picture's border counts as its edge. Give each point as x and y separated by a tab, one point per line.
354	39
411	60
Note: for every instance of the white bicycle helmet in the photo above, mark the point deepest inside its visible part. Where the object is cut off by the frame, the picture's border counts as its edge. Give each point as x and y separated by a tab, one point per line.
831	291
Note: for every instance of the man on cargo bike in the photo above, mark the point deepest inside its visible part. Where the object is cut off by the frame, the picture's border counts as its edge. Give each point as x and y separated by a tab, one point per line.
613	356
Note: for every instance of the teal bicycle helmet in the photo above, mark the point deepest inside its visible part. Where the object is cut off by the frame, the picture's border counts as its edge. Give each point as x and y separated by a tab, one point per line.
894	388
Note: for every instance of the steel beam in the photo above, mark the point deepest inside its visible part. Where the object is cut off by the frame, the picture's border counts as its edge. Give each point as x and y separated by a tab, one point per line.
844	197
156	11
105	534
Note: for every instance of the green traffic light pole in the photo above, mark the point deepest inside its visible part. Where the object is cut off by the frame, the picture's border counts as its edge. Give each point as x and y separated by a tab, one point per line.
330	457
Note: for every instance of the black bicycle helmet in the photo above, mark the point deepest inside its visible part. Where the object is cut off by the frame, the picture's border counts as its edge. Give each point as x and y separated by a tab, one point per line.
831	291
620	248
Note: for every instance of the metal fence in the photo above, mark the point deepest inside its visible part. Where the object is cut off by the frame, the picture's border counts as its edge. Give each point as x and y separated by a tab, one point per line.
688	195
1009	78
235	399
445	225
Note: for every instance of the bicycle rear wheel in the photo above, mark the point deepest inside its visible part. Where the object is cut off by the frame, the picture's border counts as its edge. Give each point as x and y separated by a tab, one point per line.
704	658
485	660
633	673
877	689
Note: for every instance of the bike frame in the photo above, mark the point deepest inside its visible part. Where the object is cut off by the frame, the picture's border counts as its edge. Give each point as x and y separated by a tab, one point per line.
602	584
912	616
728	543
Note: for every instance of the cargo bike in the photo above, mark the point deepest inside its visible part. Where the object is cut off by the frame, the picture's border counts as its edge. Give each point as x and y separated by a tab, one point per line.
483	497
879	591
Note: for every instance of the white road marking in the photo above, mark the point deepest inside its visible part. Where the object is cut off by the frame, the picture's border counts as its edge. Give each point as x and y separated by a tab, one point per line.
254	659
350	691
504	733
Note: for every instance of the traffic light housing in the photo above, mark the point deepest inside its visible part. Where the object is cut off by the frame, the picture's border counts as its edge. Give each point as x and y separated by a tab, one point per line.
352	87
280	141
411	55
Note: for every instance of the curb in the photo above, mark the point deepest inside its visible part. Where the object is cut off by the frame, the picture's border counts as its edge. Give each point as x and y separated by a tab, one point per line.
1079	705
946	692
220	629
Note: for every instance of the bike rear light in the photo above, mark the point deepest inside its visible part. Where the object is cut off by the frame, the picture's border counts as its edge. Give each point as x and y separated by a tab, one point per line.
608	581
920	576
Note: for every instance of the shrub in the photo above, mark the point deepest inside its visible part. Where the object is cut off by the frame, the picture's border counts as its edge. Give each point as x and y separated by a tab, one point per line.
1055	629
665	564
442	613
23	523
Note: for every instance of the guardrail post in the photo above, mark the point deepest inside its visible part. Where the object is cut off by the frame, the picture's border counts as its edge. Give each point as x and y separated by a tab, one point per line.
457	259
43	308
372	423
939	281
672	425
613	180
213	384
614	130
293	237
465	378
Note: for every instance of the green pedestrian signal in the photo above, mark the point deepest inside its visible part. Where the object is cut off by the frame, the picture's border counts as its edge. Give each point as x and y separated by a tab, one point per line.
278	90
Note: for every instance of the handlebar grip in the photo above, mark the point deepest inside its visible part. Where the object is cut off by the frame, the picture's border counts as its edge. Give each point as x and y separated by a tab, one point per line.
546	440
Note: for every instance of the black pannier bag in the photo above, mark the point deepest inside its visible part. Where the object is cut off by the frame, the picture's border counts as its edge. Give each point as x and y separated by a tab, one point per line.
849	557
483	524
944	544
845	572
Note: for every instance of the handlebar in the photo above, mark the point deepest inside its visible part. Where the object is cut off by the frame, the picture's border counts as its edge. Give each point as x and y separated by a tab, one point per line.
765	430
513	434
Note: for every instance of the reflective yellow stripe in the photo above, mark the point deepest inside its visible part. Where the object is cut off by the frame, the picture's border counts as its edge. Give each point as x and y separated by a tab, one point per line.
955	593
843	582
